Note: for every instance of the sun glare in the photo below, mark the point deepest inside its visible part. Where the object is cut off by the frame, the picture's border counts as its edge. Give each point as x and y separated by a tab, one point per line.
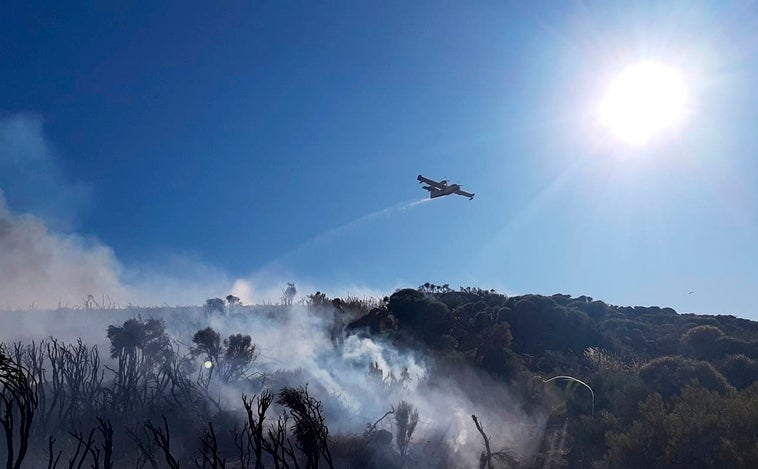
643	100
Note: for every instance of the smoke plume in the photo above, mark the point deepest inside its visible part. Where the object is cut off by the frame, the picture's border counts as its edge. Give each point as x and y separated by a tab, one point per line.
82	288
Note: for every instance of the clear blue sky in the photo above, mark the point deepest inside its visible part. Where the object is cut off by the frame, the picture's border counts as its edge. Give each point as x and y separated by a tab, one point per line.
285	138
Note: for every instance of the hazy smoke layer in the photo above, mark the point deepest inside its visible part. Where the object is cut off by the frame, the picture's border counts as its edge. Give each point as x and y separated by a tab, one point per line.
41	268
44	269
360	378
357	377
44	265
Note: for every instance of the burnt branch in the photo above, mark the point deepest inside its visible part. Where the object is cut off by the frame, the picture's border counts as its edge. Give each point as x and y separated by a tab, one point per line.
209	450
106	430
85	447
486	459
52	463
162	438
255	423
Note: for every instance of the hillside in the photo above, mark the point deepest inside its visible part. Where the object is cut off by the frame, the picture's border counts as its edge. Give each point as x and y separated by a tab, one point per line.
552	381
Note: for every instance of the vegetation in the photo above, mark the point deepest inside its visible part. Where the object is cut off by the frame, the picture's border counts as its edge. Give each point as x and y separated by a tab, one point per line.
616	386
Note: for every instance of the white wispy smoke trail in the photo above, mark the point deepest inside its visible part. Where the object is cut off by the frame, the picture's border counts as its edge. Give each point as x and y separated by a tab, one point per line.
360	221
333	233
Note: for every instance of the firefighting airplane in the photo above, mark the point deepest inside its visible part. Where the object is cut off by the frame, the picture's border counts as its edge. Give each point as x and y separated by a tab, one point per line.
438	189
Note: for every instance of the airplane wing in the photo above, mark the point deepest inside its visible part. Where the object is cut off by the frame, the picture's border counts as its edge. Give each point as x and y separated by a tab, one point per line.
465	194
435	184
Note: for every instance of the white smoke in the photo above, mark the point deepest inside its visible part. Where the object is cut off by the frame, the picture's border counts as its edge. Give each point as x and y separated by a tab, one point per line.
43	264
42	269
357	377
360	377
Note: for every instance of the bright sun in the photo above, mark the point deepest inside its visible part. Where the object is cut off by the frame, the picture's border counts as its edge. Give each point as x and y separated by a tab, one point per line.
643	100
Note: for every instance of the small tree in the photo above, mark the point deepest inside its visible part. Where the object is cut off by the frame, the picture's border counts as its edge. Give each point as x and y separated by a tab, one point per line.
239	354
208	343
213	305
310	430
232	301
254	425
288	294
318	299
143	350
406	419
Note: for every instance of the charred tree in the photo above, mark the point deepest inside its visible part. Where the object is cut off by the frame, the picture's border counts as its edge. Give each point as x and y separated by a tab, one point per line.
310	430
18	403
255	423
406	419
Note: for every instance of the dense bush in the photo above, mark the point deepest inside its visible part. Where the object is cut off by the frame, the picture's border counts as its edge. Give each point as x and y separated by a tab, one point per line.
669	375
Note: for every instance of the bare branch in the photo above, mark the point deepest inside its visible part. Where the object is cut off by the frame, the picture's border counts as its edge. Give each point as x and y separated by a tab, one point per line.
162	438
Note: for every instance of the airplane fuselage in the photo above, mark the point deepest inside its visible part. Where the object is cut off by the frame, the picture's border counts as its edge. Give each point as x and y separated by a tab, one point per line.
447	190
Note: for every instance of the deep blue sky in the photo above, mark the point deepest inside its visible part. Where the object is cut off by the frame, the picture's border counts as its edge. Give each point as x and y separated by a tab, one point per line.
260	137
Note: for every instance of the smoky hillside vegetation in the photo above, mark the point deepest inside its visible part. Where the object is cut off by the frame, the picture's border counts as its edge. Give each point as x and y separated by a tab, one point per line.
425	377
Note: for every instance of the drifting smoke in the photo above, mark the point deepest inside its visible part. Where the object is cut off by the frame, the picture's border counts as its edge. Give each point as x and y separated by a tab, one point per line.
40	268
359	378
44	265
